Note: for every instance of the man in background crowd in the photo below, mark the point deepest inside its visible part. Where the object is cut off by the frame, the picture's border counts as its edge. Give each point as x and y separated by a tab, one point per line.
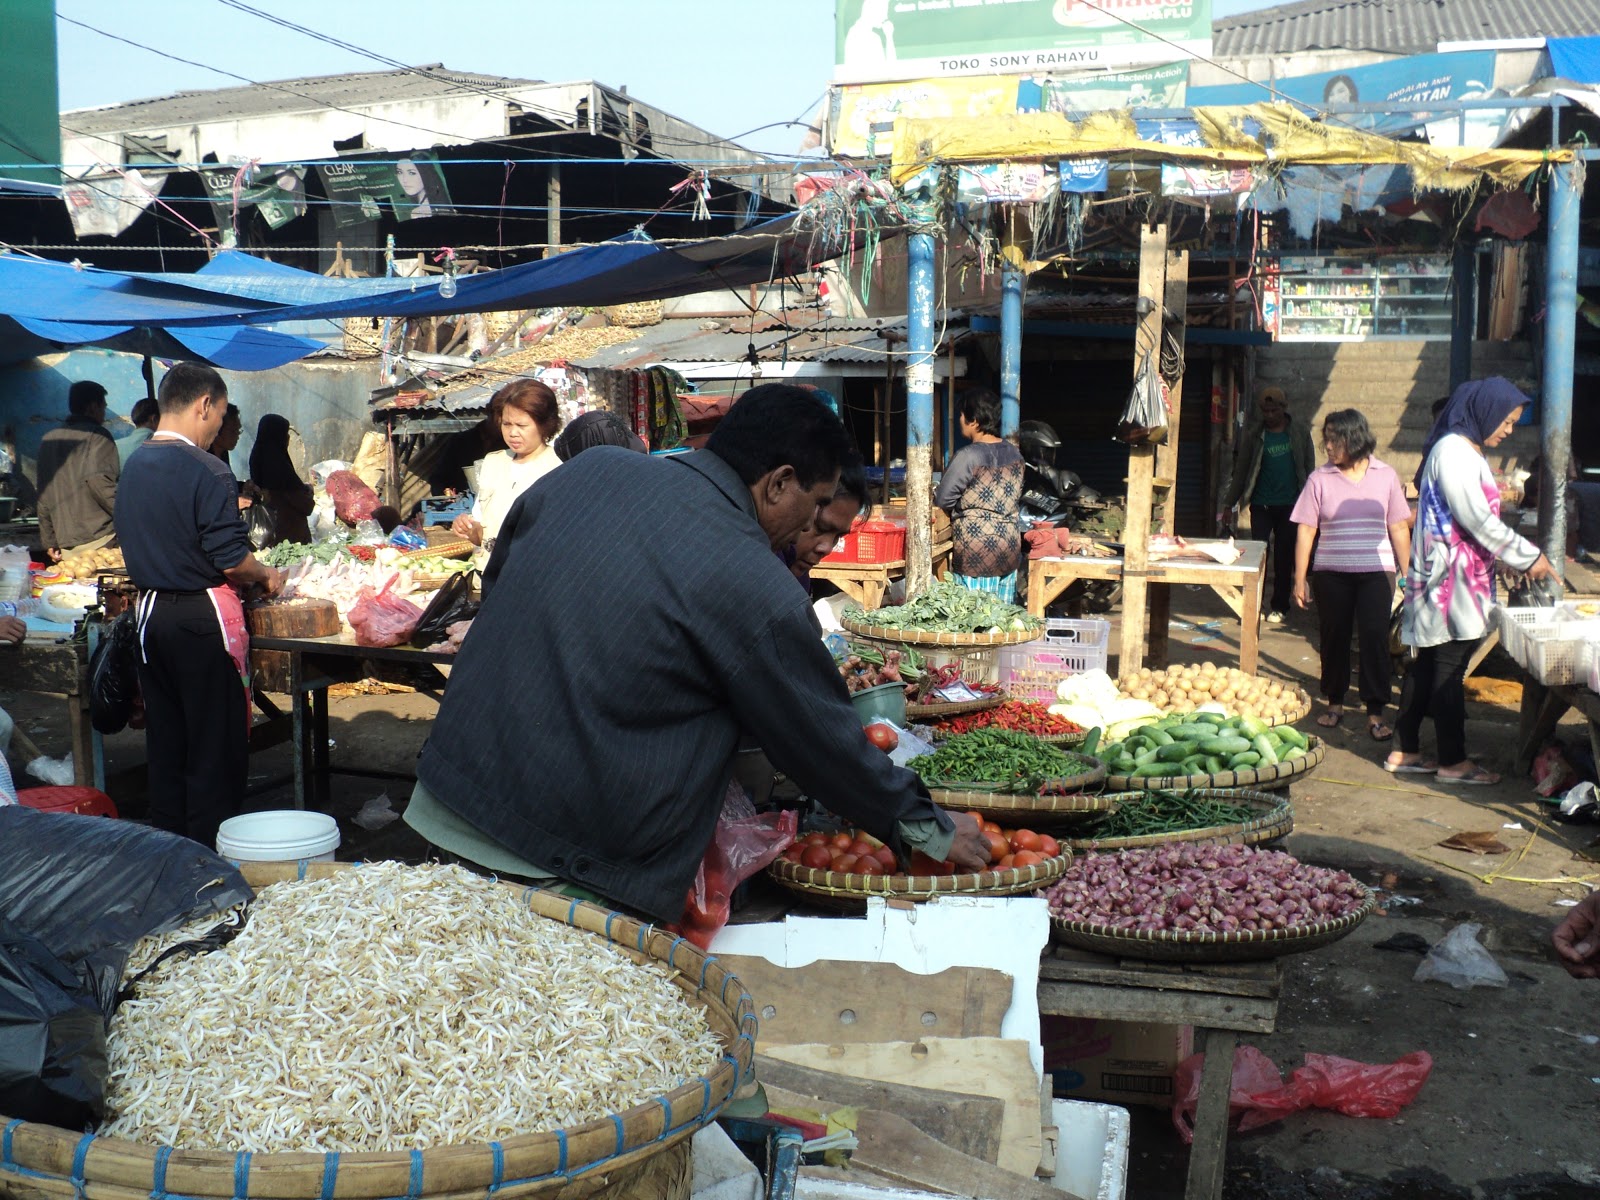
78	469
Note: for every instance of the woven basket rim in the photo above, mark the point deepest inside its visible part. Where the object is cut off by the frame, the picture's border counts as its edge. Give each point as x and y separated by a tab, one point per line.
1062	785
1298	715
1275	820
922	637
385	1173
1316	751
911	887
1194	947
1010	806
955	708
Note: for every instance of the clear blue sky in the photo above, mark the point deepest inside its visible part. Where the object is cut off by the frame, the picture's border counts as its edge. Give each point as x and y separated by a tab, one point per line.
726	65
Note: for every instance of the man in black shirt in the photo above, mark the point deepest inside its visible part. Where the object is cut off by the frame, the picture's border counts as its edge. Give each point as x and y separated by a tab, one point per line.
186	549
635	622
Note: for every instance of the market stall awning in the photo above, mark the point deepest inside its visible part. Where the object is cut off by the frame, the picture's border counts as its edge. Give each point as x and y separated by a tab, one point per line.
1270	136
235	290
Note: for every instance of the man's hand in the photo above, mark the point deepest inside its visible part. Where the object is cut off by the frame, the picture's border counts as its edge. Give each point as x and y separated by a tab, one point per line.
1577	939
12	631
273	583
465	526
970	850
53	553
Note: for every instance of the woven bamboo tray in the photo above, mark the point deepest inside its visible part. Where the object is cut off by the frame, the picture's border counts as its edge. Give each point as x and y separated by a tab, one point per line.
849	892
1276	776
1064	785
1274	819
1294	716
923	637
956	708
1065	740
430	580
454	548
1242	946
632	1153
1045	812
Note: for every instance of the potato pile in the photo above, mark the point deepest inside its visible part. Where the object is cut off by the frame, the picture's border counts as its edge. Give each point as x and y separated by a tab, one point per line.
1184	689
86	564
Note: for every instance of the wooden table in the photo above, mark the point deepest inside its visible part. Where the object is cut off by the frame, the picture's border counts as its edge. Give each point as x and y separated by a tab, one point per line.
865	583
315	664
1239	584
1543	706
1220	1001
51	662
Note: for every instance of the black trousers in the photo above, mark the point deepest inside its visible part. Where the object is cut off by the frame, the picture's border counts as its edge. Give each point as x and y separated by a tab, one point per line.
1435	687
1355	604
196	740
1270	523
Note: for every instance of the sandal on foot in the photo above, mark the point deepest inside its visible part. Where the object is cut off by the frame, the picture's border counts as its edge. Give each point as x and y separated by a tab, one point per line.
1331	717
1398	766
1478	777
1380	730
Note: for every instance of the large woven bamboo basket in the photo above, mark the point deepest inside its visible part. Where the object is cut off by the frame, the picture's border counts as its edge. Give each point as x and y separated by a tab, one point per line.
1274	819
643	1152
1276	776
921	637
849	892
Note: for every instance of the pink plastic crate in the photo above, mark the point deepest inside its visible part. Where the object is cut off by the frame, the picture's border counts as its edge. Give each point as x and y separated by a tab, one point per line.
1032	670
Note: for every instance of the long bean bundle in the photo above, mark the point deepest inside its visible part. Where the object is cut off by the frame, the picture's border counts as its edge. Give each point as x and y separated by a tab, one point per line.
1003	758
1170	812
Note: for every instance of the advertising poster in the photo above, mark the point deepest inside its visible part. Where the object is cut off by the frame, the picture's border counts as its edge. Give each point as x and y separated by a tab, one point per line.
277	191
877	40
413	186
1406	83
1193	182
1155	87
861	116
105	205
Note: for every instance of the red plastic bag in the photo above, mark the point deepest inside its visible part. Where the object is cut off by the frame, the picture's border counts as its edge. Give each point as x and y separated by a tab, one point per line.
1552	773
352	499
380	619
745	842
1258	1095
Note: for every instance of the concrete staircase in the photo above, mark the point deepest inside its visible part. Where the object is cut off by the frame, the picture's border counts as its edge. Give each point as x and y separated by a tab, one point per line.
1394	384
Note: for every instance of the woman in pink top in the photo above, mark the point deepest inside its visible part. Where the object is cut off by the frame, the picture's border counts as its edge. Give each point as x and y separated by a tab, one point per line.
1354	512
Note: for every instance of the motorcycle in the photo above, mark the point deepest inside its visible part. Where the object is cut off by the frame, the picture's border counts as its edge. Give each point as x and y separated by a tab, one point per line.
1054	494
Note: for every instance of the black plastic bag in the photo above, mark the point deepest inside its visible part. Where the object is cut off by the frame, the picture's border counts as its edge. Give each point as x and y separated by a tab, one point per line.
114	676
451	603
260	525
76	894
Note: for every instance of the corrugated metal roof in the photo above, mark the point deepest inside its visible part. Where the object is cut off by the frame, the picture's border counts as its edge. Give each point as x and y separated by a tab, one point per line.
849	340
287	96
1397	26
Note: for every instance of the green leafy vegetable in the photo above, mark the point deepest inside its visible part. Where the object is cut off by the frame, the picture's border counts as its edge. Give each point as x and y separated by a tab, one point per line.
947	607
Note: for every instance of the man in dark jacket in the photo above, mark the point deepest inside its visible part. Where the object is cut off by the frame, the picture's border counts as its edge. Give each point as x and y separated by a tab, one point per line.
1270	466
78	469
635	621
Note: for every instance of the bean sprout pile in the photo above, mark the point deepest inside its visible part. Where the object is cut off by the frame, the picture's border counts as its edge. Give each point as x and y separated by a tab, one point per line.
395	1008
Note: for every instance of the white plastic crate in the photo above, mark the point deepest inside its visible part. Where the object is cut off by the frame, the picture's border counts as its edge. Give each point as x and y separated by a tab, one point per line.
1032	670
979	664
1514	624
1560	654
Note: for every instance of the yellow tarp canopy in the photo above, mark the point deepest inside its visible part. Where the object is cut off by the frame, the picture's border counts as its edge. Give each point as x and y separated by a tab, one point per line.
1287	137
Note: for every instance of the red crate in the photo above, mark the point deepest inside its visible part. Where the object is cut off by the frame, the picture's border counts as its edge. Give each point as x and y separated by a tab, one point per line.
881	542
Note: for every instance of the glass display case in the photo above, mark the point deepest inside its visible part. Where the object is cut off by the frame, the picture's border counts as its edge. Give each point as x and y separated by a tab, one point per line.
1335	299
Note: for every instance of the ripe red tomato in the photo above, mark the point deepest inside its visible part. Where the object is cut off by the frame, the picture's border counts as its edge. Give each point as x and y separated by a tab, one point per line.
814	839
886	856
1048	846
816	857
841	841
794	852
990	827
1026	858
867	864
1025	839
1005	863
997	847
844	863
863	849
882	737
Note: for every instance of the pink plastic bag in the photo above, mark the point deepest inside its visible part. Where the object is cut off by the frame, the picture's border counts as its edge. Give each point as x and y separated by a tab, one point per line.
352	499
1259	1096
380	619
745	842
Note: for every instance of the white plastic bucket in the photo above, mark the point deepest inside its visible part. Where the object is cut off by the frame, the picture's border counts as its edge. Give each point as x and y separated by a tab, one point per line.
282	835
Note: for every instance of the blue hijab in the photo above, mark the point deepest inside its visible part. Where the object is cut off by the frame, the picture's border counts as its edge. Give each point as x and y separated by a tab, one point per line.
1475	411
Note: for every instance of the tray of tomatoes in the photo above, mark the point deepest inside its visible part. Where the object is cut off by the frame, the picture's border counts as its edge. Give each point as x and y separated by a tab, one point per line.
843	869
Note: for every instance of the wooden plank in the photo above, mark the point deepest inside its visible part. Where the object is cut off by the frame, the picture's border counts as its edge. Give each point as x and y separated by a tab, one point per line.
998	1067
1248	1014
1262	986
1209	1154
896	1149
1177	303
1141	462
851	1002
970	1124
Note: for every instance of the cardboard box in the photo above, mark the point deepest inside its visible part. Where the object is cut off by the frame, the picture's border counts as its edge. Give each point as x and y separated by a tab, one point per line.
1089	1059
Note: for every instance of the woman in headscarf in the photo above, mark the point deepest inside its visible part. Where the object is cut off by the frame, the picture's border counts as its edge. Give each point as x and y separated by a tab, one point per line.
286	496
598	428
1450	584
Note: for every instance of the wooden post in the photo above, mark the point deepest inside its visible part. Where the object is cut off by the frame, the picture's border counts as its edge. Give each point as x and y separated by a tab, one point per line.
552	216
1141	461
1166	468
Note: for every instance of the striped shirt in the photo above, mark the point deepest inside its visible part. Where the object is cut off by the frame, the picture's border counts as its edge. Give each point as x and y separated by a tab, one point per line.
1352	517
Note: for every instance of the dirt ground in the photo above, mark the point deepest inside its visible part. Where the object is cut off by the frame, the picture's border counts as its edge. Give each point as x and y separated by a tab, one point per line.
1512	1109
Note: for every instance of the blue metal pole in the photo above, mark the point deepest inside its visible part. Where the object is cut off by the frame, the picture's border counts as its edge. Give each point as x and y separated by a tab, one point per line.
1010	350
919	413
1560	322
1463	313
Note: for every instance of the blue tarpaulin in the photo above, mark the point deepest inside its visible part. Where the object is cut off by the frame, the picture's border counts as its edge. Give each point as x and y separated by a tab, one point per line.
1575	58
219	304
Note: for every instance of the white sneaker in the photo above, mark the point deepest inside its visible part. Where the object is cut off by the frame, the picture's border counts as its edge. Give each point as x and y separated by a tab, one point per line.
1276	618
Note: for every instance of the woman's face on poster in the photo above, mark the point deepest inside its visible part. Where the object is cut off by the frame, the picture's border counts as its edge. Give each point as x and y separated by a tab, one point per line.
409	177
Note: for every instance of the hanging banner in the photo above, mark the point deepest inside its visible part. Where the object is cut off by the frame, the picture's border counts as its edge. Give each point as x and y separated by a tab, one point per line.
1085	175
1406	83
1197	182
276	191
861	116
412	186
105	205
877	40
1156	87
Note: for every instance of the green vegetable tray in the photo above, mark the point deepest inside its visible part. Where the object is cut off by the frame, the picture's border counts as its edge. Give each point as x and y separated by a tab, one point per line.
1191	947
849	892
1276	776
1274	819
932	637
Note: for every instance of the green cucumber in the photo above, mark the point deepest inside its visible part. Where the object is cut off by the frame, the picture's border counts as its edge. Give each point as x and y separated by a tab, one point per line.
1158	735
1245	761
1192	732
1264	748
1288	733
1215	765
1091	741
1252	727
1225	745
1195	764
1154	770
1176	752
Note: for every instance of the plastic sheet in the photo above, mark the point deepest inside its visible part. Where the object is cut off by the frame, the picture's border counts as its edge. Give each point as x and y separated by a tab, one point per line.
745	841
